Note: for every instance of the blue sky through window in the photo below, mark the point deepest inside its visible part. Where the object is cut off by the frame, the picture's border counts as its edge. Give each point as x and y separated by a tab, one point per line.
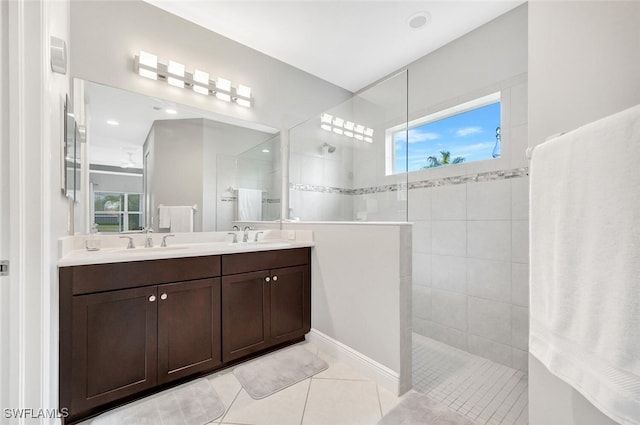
470	134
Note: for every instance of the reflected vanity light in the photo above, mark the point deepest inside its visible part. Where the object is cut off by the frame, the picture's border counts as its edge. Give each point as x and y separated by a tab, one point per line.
146	65
346	128
171	111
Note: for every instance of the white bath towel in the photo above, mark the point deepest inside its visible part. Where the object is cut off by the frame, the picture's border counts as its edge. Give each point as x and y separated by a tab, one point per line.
249	205
164	217
585	261
180	218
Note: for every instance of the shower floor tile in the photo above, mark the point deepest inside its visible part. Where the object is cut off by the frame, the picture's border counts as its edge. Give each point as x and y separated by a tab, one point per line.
484	391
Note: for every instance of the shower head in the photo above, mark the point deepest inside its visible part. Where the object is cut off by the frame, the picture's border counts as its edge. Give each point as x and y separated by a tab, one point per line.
330	148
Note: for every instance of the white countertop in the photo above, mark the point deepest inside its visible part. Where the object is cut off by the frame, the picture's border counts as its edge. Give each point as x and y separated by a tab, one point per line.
72	252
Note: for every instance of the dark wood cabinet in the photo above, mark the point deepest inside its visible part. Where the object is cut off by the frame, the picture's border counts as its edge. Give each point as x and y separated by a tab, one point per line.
130	340
290	303
188	328
245	314
129	329
108	326
264	308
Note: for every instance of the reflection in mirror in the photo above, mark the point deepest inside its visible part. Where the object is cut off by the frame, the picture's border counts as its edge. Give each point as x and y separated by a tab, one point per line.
154	164
71	154
339	159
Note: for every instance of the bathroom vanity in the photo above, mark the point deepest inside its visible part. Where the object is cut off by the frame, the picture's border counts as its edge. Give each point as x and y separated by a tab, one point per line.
129	328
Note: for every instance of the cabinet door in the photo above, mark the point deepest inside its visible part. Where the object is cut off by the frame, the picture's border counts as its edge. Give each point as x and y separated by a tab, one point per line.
114	346
188	328
290	303
245	315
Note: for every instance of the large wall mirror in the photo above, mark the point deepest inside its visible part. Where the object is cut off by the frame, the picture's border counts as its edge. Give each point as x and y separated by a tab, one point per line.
70	179
155	164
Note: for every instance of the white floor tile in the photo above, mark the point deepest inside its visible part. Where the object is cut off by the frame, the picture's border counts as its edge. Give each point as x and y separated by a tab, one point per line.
388	400
338	370
341	402
310	346
227	387
282	408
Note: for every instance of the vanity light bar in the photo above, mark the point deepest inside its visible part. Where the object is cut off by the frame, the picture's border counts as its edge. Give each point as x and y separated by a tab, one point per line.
346	128
147	65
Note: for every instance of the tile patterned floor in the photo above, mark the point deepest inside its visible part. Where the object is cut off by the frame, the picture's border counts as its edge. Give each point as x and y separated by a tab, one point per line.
486	392
336	396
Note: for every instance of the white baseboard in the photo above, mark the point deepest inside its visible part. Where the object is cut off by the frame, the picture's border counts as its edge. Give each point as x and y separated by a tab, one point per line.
373	370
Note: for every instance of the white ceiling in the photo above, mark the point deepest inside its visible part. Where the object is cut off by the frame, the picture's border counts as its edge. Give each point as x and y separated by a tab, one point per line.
350	43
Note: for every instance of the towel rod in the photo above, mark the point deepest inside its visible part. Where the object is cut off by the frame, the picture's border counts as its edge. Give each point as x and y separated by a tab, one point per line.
193	207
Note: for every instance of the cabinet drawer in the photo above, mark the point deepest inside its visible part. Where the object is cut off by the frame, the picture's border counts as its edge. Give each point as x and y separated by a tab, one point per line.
264	260
107	277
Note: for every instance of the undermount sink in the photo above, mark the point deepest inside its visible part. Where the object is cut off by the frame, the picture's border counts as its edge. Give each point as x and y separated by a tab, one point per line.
270	244
139	250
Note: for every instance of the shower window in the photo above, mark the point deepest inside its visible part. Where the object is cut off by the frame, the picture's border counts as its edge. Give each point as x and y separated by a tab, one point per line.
460	134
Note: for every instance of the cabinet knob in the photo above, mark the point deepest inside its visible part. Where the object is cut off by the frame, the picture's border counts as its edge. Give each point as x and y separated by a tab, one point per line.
163	296
275	278
152	298
267	279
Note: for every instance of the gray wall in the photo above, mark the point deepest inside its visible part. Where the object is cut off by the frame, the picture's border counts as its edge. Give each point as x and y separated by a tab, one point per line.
470	272
583	65
106	35
183	165
177	166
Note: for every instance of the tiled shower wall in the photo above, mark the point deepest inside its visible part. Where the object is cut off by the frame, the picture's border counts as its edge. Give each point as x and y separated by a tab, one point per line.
470	267
470	251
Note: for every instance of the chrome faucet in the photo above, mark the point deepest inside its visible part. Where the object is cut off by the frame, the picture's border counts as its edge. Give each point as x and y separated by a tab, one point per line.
164	240
255	238
130	245
148	240
235	237
245	237
236	228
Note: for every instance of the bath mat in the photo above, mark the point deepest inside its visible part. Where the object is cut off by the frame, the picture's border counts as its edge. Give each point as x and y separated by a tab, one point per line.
418	409
194	403
277	371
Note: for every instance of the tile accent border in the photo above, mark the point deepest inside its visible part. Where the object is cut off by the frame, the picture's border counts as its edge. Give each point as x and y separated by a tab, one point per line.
479	177
444	181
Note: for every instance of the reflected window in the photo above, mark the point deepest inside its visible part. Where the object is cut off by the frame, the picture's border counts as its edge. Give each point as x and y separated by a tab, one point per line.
118	212
460	134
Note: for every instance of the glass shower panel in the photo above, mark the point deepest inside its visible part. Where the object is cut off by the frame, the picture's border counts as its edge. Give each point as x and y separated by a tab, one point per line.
339	159
258	168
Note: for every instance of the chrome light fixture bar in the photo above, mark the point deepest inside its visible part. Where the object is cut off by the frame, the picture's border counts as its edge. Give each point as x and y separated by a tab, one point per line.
147	65
346	128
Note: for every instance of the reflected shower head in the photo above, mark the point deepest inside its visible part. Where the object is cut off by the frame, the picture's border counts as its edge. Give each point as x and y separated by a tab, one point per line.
330	148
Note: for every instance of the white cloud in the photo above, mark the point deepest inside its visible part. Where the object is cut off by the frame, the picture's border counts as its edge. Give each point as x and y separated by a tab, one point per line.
467	151
468	130
417	137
